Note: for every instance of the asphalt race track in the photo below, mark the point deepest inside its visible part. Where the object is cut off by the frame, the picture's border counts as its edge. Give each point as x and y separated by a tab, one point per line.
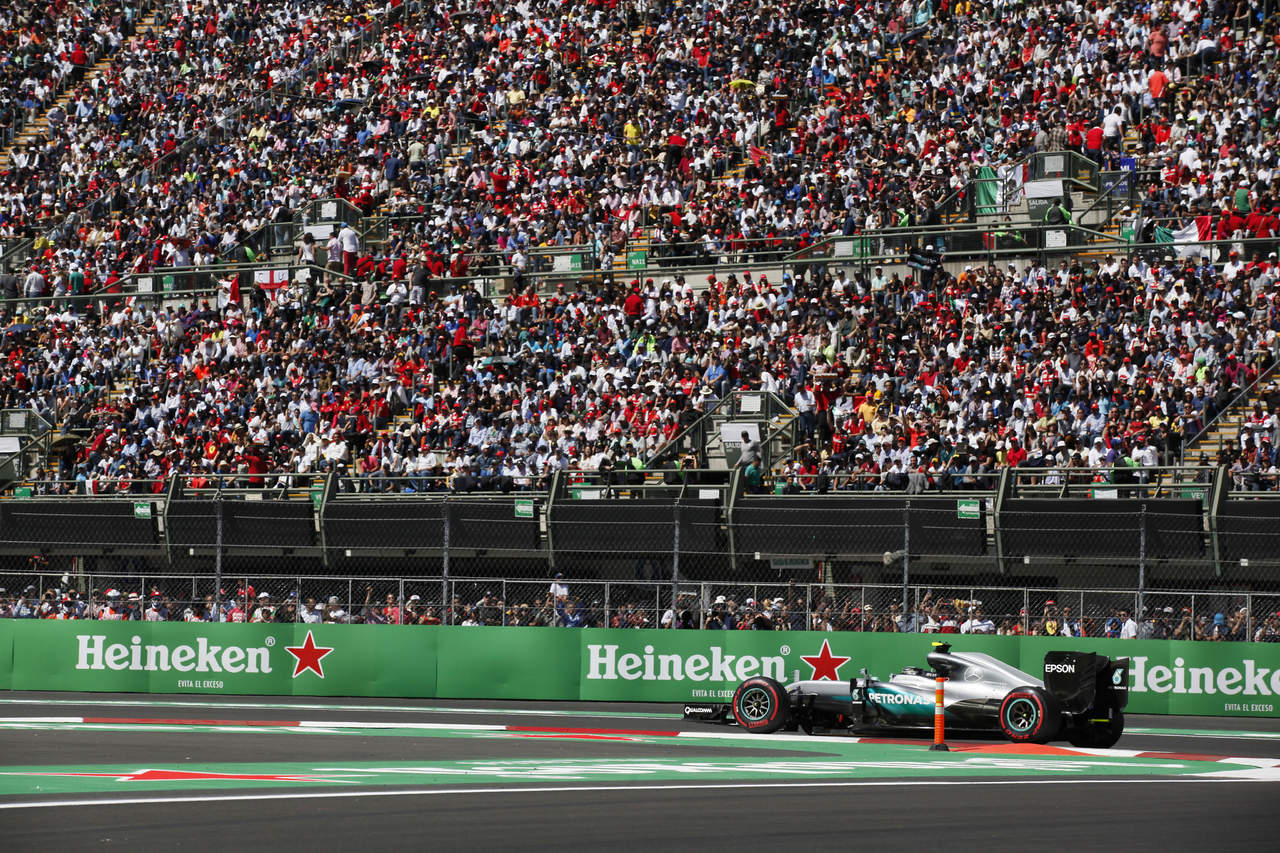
215	773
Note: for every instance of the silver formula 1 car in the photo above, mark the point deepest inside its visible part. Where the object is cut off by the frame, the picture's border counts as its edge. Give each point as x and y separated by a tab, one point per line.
1081	698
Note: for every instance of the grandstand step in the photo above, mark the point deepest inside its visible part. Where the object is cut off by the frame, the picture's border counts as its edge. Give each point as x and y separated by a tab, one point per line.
38	127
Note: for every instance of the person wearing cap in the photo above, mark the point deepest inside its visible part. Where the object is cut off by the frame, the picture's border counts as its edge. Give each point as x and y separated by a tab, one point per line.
263	611
334	613
114	610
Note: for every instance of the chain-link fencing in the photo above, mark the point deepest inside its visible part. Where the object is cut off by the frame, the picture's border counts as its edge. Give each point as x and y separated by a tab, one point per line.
667	549
568	601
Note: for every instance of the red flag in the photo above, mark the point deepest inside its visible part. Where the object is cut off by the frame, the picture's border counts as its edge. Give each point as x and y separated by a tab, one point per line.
758	154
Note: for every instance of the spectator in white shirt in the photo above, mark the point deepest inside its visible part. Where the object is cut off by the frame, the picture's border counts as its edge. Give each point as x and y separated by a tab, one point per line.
977	623
1128	628
350	243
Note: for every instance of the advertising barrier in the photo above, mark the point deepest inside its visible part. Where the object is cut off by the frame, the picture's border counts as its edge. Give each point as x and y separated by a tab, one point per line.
1167	677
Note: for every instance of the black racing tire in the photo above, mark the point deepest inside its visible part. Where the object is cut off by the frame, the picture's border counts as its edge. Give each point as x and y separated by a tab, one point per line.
1098	735
1030	715
761	705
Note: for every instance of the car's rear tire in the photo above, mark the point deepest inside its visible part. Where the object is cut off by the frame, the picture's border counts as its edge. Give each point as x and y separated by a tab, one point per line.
1098	735
761	705
1030	715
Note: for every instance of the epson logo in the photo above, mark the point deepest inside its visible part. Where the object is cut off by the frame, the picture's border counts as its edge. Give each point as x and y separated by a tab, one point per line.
1059	667
900	699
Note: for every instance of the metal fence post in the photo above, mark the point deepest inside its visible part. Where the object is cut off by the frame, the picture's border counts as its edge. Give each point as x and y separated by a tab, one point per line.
217	558
400	604
1142	558
906	552
446	610
675	569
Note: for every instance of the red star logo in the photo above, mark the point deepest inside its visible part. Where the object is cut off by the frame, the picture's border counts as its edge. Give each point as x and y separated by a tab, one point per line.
825	665
309	656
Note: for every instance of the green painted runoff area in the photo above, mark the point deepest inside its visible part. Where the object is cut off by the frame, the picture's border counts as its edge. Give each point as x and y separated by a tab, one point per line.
801	759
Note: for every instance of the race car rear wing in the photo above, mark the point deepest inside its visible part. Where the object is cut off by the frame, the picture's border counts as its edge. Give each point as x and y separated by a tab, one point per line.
1083	681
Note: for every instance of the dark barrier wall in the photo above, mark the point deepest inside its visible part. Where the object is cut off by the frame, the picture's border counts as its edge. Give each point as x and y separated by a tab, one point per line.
412	525
838	525
33	525
594	525
700	531
1102	528
1249	529
492	525
245	524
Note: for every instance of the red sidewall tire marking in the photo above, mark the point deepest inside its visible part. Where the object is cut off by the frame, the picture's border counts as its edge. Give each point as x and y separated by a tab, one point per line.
1027	736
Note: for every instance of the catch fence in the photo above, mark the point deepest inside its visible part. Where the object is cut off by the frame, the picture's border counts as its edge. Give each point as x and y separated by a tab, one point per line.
571	602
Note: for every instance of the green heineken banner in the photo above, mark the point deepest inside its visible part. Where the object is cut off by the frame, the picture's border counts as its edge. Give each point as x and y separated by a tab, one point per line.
177	657
1168	677
6	653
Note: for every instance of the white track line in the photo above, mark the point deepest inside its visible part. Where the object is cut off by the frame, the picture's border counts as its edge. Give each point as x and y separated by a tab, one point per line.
433	792
334	724
313	706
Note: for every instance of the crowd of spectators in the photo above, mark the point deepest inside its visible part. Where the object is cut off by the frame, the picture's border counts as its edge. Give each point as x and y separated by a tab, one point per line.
555	606
509	128
44	47
1089	366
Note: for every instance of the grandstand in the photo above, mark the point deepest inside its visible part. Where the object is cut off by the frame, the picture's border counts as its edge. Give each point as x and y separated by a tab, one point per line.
427	248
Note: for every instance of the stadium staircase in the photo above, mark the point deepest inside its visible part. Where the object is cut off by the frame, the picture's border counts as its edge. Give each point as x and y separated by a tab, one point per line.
1224	431
38	127
774	420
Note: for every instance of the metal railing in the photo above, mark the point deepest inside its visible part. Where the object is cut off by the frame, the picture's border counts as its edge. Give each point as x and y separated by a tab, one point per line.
1242	396
572	602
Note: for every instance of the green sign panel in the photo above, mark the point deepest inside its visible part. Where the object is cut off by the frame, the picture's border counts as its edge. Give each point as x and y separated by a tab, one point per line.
22	492
968	509
524	509
178	657
1168	677
142	509
637	260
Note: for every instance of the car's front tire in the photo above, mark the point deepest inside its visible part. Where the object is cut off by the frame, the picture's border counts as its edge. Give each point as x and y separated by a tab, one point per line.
761	705
1030	715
